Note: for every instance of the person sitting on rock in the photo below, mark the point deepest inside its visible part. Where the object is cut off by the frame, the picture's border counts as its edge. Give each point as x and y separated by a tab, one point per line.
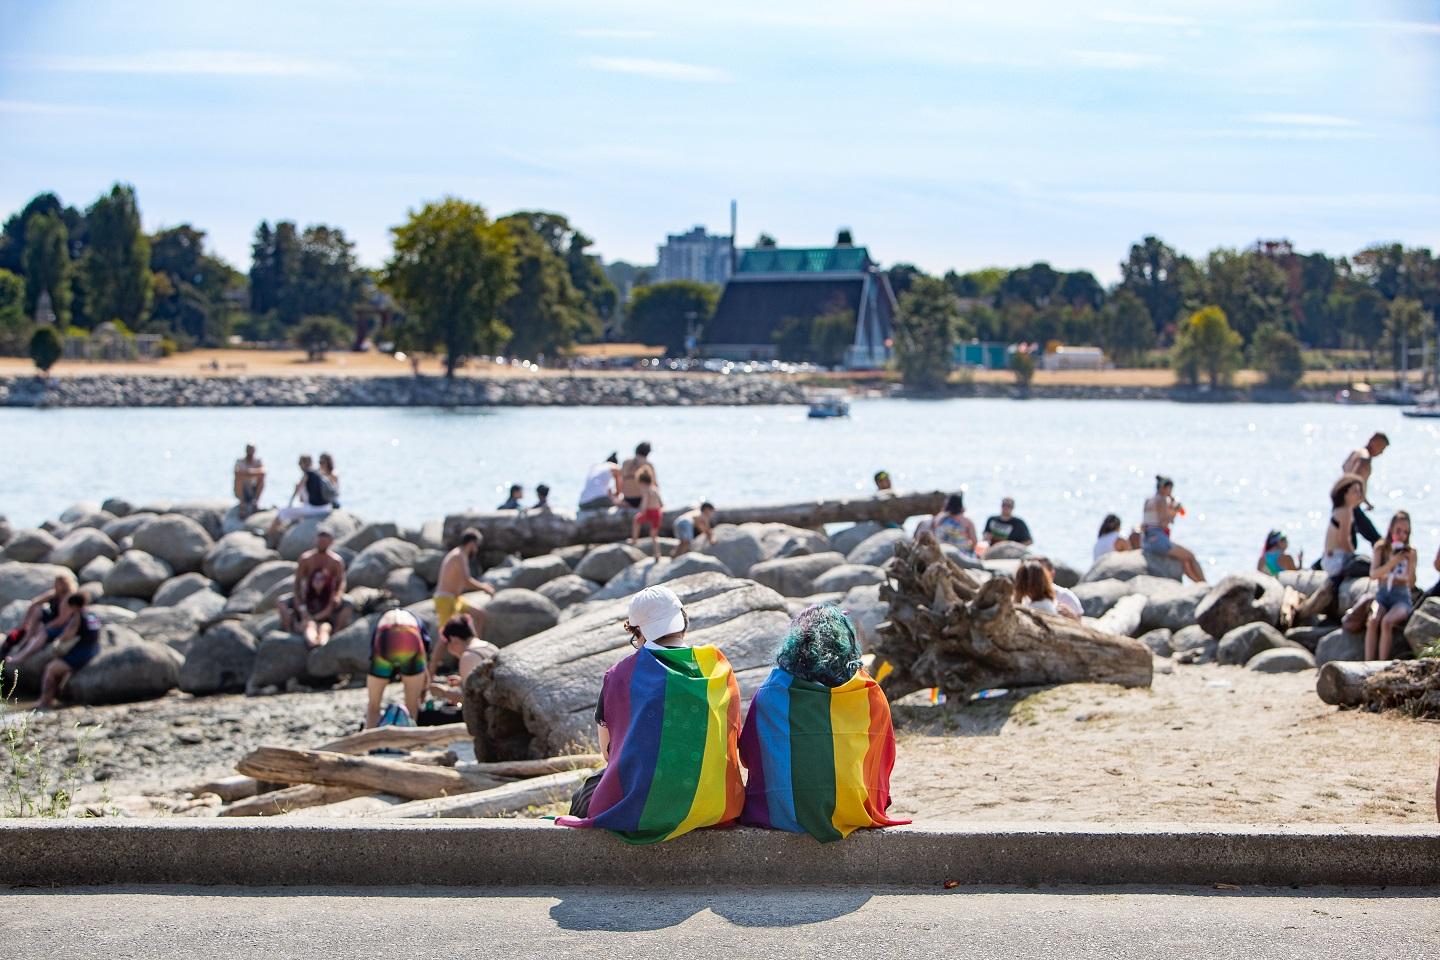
542	498
249	481
512	502
1160	511
650	510
693	523
668	723
455	581
951	526
1005	527
601	489
1067	604
331	480
458	639
883	485
1393	568
1035	588
1273	557
77	644
818	741
399	647
313	494
1109	539
44	620
317	607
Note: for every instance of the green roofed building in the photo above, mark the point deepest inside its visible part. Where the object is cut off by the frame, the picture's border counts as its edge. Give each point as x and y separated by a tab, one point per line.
771	286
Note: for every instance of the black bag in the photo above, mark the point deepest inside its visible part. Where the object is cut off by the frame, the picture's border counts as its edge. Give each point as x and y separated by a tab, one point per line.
580	803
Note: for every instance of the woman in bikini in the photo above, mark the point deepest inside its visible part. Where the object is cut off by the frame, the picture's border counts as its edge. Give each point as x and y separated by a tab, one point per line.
1160	511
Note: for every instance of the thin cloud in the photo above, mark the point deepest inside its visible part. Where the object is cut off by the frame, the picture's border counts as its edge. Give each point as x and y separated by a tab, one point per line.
1188	200
1414	27
1114	59
1146	20
1302	120
659	69
614	33
36	108
219	63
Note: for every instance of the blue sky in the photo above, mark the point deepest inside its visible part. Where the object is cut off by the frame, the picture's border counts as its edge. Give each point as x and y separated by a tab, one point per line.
947	134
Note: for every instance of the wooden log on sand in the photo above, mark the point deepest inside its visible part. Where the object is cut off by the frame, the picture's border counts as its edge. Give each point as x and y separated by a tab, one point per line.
398	738
1410	686
532	534
413	781
299	797
228	789
949	631
524	769
496	802
1341	683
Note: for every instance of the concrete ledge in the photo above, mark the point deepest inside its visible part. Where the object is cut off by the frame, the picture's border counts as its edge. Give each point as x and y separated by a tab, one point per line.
516	853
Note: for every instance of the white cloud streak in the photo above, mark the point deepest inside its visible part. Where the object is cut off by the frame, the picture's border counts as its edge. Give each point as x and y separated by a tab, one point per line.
614	33
1302	120
1114	59
218	63
659	69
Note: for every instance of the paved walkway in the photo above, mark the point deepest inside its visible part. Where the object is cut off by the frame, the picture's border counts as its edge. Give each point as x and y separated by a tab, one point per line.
1070	924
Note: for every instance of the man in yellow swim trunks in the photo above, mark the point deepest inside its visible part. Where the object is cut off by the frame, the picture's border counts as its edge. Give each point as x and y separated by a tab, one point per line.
455	581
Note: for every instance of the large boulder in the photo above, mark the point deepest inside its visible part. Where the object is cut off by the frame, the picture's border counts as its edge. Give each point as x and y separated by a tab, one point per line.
1007	550
1303	582
126	526
109	615
6	531
1129	564
1190	638
1158	641
220	660
205	605
95	570
427	565
29	546
13	614
867	611
301	536
1243	642
795	576
348	650
1309	637
650	572
1239	599
779	540
210	514
874	550
527	574
118	507
176	627
368	534
602	563
125	673
1354	590
843	541
1286	660
406	586
1168	604
280	659
261	586
1339	645
1098	596
515	614
842	578
537	698
374	564
567	590
176	539
175	589
739	548
235	555
80	546
137	574
1423	629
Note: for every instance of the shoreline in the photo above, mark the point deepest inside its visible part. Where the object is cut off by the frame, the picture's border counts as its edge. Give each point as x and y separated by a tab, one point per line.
651	389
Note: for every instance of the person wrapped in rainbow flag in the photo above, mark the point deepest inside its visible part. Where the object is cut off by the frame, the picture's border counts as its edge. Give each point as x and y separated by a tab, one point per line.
818	742
669	720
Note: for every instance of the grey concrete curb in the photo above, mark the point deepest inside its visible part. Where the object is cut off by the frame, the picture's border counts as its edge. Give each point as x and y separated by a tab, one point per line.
522	853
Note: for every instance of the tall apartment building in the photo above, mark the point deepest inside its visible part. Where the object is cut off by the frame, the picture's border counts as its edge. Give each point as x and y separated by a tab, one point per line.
696	255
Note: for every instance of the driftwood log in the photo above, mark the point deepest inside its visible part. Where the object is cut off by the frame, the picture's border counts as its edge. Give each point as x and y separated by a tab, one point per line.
498	801
1410	686
1341	683
531	533
949	630
413	781
524	769
299	797
398	738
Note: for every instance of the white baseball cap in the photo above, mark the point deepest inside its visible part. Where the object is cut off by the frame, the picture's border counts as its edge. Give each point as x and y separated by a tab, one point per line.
657	612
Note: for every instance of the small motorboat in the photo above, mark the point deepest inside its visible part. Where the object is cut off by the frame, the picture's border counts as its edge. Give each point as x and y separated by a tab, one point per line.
828	408
1430	412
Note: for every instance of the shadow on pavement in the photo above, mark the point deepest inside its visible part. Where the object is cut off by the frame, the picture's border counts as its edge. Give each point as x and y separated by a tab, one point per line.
631	912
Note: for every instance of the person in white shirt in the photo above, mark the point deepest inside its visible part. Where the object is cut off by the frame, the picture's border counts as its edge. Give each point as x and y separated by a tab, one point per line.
602	485
1067	604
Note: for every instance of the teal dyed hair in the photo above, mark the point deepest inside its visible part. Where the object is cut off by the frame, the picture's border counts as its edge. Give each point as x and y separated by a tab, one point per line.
821	646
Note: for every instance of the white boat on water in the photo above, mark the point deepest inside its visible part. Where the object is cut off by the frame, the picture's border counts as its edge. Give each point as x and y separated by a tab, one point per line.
1428	412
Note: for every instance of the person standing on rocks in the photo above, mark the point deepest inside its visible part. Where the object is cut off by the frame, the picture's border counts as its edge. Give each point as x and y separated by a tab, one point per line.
1160	511
630	488
249	481
1360	462
601	489
82	637
1006	527
455	581
651	512
316	606
693	523
312	493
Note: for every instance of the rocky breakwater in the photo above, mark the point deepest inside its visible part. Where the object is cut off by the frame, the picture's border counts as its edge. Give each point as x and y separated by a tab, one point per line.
659	389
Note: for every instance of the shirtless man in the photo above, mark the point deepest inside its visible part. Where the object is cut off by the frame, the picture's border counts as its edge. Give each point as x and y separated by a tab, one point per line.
630	489
317	607
249	481
455	581
1360	463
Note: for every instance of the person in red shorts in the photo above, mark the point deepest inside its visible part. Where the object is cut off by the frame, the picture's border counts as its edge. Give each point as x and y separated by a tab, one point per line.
649	514
399	647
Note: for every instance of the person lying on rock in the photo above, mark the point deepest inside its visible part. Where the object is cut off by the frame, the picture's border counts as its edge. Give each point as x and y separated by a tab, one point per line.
45	618
399	647
317	607
818	742
669	722
78	644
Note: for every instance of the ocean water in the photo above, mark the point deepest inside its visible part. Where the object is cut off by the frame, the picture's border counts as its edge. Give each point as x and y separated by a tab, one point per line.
1239	469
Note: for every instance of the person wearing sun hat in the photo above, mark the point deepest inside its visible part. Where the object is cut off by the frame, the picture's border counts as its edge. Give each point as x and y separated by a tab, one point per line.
668	722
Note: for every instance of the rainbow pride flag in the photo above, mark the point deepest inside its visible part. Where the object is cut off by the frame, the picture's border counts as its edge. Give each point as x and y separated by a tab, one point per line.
819	757
673	716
